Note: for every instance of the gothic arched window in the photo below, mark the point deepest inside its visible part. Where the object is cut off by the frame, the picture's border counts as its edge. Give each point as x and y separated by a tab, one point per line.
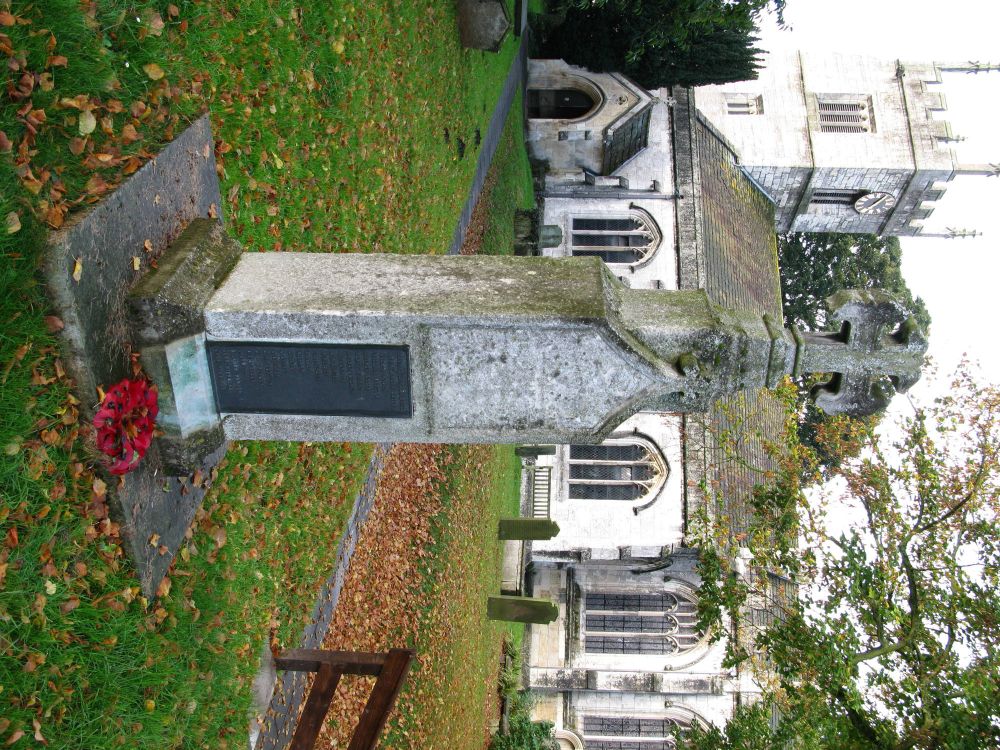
632	732
619	469
615	239
558	104
660	624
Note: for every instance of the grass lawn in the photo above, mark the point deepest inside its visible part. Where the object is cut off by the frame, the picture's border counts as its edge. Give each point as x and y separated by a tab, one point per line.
429	557
330	127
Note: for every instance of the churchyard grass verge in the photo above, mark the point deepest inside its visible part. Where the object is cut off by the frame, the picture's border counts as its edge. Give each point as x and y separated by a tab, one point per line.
507	188
336	129
460	649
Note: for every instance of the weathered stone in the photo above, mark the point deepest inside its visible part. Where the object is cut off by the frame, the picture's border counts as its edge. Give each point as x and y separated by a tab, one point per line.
878	351
166	313
482	24
550	235
169	304
137	222
527	528
521	609
497	349
585	351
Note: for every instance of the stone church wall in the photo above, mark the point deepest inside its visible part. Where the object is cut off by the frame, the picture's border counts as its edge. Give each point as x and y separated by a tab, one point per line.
604	527
571	144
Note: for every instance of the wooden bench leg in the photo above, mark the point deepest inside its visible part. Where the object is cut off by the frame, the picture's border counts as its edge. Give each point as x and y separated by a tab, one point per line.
316	708
381	701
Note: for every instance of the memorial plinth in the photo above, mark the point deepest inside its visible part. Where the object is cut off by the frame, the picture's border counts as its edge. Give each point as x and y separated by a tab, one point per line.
300	346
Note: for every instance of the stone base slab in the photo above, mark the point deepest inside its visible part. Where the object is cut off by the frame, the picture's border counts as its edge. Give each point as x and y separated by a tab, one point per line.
154	205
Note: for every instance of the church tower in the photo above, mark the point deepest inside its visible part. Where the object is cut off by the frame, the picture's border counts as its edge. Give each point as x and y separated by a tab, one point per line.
841	143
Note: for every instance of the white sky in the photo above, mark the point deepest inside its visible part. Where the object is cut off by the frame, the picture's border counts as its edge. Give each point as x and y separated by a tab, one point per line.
958	279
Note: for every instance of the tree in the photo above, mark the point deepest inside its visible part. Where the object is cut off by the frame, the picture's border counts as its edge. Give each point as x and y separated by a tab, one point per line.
814	266
893	639
660	42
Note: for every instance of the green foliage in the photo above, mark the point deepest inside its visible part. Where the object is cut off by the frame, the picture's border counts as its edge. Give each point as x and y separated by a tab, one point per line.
523	733
660	42
892	639
748	729
814	266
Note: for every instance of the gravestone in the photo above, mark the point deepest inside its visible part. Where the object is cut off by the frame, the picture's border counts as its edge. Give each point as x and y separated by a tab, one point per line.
482	24
527	528
385	348
521	609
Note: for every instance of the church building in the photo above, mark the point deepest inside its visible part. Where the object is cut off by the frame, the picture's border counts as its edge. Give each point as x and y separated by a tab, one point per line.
685	189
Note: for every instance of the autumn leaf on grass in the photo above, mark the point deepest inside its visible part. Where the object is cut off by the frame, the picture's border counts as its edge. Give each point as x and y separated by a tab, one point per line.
154	71
87	122
13	222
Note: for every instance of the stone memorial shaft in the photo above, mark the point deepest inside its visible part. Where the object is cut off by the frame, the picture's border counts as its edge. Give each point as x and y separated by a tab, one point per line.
450	349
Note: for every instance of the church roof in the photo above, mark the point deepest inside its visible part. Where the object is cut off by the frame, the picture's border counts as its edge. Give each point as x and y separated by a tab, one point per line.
727	246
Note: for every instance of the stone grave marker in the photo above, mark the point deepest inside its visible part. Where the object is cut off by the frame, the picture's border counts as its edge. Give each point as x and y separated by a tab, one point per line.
301	346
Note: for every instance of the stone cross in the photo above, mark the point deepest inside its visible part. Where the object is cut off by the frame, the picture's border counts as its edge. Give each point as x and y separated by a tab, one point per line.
300	346
878	350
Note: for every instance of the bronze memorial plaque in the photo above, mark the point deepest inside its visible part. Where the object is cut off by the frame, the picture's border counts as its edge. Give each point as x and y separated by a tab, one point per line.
313	379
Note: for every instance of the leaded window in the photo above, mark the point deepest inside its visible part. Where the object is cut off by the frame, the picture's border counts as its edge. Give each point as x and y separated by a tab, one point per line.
625	239
845	114
659	624
630	733
615	470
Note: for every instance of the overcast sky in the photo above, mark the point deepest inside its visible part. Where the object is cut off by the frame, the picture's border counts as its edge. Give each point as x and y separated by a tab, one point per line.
958	279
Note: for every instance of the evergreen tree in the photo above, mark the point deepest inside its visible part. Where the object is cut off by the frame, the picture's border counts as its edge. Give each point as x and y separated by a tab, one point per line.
659	42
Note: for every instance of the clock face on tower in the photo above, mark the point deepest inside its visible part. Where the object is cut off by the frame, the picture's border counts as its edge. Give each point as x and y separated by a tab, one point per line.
875	204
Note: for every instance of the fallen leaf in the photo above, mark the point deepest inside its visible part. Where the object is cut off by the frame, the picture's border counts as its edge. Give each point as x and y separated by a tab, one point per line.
69	605
136	263
77	270
150	705
54	217
76	146
18	733
87	122
13	222
38	728
5	144
154	539
164	588
154	71
153	21
50	587
99	487
129	133
6	19
53	323
57	61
